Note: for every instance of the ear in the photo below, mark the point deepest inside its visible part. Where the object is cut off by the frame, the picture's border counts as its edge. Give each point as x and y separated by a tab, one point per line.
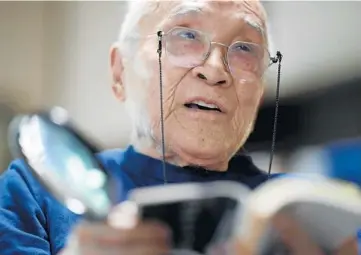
117	69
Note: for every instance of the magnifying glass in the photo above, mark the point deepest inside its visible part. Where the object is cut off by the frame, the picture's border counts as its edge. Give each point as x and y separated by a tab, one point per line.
64	162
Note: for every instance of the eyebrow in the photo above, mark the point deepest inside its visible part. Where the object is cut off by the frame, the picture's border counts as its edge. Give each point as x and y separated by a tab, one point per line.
254	25
186	9
196	8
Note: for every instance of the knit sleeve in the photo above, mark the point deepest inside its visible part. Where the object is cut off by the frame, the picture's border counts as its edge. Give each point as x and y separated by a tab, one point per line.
22	222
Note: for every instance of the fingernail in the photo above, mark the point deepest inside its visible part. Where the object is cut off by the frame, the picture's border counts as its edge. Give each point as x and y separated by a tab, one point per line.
124	216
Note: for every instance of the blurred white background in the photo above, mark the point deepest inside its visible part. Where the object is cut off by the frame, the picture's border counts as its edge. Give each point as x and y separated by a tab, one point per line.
56	53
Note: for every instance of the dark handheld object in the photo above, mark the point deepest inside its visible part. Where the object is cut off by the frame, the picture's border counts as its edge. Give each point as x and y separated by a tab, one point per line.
63	161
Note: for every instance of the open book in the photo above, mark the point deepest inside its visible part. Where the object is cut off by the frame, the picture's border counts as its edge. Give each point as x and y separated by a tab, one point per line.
204	216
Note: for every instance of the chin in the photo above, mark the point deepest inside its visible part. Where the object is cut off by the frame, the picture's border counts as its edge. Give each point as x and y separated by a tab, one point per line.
205	154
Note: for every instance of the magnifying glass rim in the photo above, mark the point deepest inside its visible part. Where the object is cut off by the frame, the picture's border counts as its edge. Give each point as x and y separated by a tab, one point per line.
60	195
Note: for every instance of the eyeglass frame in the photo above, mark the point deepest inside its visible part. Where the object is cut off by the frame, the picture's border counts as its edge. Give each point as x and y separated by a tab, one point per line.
161	34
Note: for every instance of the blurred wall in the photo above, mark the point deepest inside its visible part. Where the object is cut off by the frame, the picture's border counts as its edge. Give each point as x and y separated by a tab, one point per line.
21	53
56	53
307	123
332	114
21	63
78	36
311	119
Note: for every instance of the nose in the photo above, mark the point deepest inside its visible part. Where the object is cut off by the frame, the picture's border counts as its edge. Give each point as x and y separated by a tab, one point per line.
214	71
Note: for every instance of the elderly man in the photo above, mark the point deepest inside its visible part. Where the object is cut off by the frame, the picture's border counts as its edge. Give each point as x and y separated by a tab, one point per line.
215	55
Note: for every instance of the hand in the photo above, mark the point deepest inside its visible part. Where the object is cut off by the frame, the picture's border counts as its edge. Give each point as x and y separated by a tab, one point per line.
122	235
298	242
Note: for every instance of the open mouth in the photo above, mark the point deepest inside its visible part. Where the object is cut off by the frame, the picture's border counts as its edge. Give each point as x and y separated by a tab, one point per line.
202	106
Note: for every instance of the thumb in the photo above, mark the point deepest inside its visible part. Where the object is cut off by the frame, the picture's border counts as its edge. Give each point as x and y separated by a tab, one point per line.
350	247
240	247
294	237
124	216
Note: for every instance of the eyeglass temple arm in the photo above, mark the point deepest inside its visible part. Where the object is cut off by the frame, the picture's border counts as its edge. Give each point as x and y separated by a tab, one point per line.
160	35
278	58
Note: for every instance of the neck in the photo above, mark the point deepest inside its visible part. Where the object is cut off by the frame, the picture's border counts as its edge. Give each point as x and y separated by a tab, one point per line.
181	159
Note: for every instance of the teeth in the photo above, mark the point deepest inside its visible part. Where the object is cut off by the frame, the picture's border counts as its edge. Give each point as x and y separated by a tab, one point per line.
201	103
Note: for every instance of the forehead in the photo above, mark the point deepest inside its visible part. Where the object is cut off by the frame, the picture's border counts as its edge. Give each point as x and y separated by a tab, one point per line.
250	11
233	8
223	12
233	15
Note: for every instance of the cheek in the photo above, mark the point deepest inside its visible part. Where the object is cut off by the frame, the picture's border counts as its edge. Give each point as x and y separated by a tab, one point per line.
249	95
171	78
153	95
248	98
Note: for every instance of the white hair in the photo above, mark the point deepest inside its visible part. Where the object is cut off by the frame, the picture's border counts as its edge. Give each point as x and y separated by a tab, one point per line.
128	45
130	34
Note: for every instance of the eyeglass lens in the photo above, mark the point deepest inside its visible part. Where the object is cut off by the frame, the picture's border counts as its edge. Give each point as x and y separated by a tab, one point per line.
189	48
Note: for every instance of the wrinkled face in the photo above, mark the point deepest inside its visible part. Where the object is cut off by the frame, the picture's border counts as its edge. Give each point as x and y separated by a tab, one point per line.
211	91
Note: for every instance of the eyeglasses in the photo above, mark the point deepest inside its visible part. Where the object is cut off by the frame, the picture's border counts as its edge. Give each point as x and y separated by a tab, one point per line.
189	48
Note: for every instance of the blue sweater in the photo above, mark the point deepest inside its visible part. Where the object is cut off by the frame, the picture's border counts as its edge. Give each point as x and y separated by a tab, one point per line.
33	222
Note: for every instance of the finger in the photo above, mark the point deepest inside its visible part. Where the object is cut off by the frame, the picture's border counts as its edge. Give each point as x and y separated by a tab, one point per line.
95	232
95	250
350	247
294	237
239	247
146	250
124	216
229	247
149	232
150	249
101	234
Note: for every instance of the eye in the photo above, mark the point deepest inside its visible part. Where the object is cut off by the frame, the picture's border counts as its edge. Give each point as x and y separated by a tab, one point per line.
187	35
243	47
